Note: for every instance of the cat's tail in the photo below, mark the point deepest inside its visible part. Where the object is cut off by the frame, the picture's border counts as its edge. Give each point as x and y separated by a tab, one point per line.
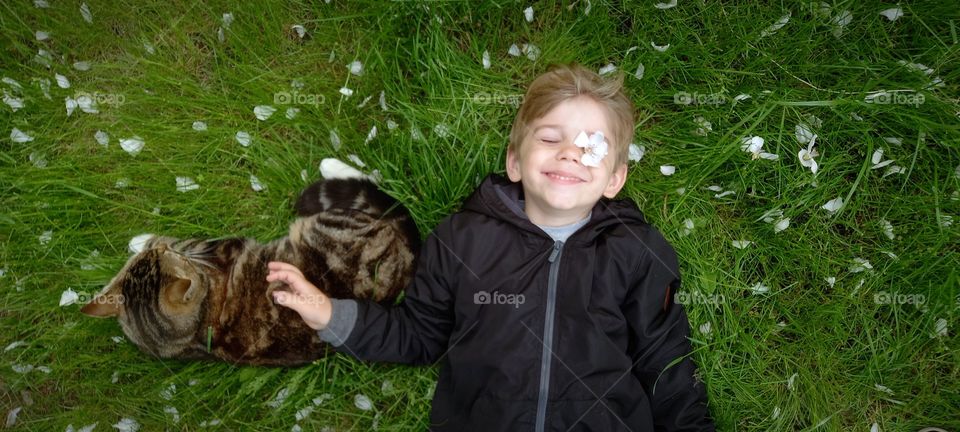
346	188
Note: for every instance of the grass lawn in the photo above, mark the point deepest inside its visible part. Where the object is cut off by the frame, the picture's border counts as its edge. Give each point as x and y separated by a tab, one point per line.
806	313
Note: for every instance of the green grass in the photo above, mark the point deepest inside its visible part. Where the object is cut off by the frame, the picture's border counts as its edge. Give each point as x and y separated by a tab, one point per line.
426	57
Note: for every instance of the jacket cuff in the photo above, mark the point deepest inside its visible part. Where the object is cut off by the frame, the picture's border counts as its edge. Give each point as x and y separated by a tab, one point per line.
343	317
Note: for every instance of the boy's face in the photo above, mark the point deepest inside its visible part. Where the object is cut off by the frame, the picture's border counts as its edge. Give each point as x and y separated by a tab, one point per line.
558	188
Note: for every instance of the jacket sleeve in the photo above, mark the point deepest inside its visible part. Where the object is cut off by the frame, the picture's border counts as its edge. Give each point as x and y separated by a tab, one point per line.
658	341
416	330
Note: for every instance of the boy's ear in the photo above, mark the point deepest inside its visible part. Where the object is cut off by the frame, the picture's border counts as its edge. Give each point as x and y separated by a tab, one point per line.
513	165
617	180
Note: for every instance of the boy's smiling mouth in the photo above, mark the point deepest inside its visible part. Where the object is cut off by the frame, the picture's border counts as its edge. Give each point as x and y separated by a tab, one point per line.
563	177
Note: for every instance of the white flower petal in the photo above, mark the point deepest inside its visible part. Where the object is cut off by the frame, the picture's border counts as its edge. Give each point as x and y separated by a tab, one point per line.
62	81
186	184
667	170
41	35
893	140
227	19
362	402
609	68
668	5
280	398
639	72
70	104
300	30
14	102
18	136
892	14
85	13
334	140
486	59
741	244
383	100
781	225
442	130
371	135
636	152
803	133
887	229
532	51
759	288
877	156
256	184
356	160
199	126
833	205
830	281
346	91
776	26
12	417
659	48
940	328
705	328
68	297
860	265
514	50
263	112
127	425
139	242
355	67
292	113
528	14
243	138
132	145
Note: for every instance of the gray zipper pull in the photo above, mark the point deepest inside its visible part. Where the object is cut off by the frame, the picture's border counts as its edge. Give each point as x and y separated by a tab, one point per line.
555	251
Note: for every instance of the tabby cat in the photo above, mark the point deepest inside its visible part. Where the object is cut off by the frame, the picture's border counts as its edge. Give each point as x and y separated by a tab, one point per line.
209	299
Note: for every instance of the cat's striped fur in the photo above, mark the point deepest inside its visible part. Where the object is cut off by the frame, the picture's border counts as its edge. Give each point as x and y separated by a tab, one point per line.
350	239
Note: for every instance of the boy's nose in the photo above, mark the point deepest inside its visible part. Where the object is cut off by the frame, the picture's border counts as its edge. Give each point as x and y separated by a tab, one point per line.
569	151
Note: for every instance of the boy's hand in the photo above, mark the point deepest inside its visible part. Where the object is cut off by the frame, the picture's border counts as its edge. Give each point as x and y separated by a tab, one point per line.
303	297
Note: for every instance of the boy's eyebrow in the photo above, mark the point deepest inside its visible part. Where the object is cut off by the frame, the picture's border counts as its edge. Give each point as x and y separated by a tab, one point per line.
550	126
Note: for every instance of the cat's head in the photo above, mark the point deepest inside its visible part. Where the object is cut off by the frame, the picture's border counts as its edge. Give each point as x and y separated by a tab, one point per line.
158	296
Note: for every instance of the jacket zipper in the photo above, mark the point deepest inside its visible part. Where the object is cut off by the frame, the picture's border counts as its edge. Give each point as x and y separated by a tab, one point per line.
547	354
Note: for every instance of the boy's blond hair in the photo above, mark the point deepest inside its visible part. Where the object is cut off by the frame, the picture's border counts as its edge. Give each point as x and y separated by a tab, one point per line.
563	82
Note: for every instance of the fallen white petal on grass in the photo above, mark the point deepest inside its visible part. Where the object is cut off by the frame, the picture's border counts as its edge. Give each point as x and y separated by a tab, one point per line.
38	160
362	402
45	237
280	398
173	413
532	51
41	4
704	127
840	21
883	388
168	393
356	67
781	225
300	30
945	220
117	339
199	126
776	26
833	205
85	13
383	100
759	288
14	345
705	328
302	413
15	103
668	170
18	136
741	244
874	427
132	145
514	50
887	229
292	113
442	130
62	81
391	125
776	413
127	425
263	112
22	368
334	140
210	423
892	14
659	48
803	133
41	35
365	100
317	401
860	265
87	104
356	160
609	68
830	281
243	138
893	140
70	104
528	14
940	328
186	184
668	5
256	184
12	417
371	135
791	380
346	92
138	242
68	297
740	97
635	153
723	194
485	59
640	71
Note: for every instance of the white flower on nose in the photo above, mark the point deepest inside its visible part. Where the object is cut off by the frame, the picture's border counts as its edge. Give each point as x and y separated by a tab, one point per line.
594	148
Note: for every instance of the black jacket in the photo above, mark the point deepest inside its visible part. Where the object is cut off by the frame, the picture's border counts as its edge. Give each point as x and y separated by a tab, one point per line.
537	335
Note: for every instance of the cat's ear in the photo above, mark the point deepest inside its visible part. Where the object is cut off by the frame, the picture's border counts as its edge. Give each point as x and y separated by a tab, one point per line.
105	304
179	291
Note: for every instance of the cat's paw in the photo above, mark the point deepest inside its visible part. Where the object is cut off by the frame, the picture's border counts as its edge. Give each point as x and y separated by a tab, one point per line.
331	168
137	243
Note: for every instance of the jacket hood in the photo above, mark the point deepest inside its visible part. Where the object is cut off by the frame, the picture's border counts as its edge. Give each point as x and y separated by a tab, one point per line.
500	198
